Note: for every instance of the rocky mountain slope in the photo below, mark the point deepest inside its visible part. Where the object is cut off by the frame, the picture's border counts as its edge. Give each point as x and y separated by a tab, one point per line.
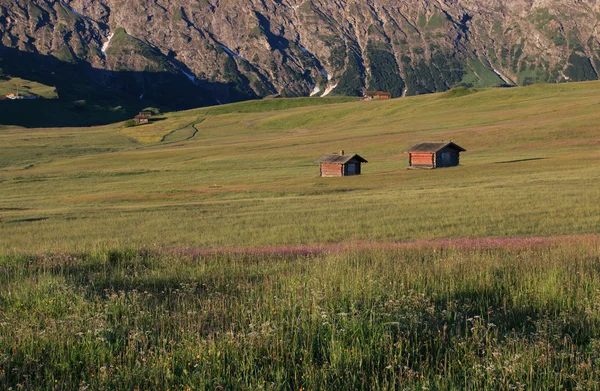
224	50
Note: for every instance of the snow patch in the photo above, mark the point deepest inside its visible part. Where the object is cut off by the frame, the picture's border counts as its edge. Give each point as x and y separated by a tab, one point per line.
107	43
191	77
232	53
75	12
329	89
499	74
326	74
315	91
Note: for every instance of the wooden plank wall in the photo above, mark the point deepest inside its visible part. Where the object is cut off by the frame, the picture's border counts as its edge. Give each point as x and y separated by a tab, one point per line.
331	170
422	159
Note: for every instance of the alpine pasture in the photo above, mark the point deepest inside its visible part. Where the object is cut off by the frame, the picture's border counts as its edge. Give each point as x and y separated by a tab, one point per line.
203	251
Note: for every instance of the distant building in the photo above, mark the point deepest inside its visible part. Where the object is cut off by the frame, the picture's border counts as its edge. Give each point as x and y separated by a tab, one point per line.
143	118
339	165
22	97
434	155
370	95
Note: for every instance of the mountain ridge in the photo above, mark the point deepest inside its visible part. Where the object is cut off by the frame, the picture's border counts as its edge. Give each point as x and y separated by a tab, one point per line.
237	50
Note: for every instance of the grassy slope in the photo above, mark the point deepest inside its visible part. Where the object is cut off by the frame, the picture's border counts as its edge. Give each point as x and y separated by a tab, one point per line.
530	169
26	88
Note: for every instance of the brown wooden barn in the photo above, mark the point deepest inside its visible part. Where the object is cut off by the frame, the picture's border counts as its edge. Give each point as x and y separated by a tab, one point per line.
370	95
141	120
143	117
434	155
342	164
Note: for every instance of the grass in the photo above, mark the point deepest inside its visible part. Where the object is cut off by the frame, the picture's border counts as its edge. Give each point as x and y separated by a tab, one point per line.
462	316
26	88
204	252
530	169
479	75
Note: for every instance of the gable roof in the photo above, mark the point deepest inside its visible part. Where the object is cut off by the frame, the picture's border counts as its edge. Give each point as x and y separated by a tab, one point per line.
434	147
374	93
335	158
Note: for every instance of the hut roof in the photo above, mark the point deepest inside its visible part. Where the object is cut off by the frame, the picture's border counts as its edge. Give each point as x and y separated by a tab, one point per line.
374	93
434	147
334	158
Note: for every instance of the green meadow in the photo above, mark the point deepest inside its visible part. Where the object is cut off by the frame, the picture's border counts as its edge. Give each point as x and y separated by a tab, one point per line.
26	88
204	252
243	175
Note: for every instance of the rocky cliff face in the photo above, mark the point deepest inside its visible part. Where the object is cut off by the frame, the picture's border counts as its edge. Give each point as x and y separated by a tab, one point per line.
240	49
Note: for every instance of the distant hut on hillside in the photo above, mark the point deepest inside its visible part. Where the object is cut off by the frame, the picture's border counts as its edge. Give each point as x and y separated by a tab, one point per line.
143	117
434	155
339	165
370	95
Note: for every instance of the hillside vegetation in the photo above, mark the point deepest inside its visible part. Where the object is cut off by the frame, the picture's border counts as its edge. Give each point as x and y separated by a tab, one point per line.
243	175
203	252
179	53
8	85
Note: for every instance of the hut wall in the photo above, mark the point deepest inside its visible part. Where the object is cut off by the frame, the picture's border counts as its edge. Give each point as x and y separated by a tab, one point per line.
422	159
352	168
447	158
330	170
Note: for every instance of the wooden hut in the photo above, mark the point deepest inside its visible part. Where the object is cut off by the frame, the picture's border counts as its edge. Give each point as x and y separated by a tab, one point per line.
339	165
143	117
141	120
434	155
370	95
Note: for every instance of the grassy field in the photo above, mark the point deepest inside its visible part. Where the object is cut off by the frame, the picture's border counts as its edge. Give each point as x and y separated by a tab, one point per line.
246	177
26	88
203	252
499	315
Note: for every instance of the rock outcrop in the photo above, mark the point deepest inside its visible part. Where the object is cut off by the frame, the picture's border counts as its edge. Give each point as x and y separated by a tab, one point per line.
243	49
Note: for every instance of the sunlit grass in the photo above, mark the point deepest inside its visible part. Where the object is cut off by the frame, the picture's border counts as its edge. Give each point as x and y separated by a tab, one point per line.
26	88
461	316
203	251
248	178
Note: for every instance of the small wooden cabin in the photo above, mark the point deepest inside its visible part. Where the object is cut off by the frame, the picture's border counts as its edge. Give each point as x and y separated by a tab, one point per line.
370	95
141	120
434	155
339	165
143	117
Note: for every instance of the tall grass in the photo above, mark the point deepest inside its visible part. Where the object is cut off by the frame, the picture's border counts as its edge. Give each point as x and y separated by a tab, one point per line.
502	315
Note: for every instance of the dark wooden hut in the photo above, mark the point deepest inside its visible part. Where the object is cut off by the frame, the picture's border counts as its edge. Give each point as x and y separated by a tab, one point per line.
143	117
342	164
370	95
141	120
434	155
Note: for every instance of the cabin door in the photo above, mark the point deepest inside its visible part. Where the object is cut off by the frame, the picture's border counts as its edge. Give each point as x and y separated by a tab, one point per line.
351	169
446	159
